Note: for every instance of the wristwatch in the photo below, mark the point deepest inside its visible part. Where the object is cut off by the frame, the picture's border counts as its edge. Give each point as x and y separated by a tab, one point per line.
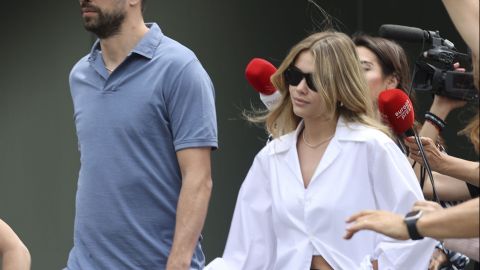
411	221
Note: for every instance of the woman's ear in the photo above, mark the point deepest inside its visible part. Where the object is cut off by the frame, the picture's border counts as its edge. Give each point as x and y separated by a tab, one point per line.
391	81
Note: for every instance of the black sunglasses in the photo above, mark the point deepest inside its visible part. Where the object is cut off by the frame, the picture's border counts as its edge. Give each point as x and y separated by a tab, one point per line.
293	76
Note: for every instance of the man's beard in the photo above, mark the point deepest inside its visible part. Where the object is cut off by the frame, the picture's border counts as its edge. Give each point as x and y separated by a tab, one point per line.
106	24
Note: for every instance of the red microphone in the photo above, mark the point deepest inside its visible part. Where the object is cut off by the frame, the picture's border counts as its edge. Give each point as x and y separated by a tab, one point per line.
397	109
258	73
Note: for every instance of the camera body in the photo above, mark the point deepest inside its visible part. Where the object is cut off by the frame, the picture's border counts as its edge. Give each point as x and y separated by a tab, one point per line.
434	72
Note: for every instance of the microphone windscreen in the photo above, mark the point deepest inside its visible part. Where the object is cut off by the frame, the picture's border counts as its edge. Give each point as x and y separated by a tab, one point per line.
258	73
400	32
397	109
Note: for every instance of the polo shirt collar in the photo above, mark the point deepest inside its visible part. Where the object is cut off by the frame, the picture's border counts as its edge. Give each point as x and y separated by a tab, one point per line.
149	43
146	46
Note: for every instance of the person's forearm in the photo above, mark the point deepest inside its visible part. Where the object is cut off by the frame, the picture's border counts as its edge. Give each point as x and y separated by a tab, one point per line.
447	188
14	253
440	110
191	213
465	170
16	259
461	221
468	247
465	17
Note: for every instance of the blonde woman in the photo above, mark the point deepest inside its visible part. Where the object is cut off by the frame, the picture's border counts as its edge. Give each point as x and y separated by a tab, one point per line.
330	158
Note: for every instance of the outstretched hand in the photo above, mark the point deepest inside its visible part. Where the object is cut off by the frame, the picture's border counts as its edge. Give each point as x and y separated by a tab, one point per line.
387	223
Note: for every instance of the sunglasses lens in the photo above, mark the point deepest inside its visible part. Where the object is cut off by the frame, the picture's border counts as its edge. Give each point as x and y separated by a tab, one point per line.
293	77
310	83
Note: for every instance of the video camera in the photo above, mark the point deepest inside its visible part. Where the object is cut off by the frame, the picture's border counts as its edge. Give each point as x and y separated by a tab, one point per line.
434	72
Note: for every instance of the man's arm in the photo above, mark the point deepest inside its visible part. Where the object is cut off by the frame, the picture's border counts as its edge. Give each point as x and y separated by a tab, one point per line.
14	253
192	205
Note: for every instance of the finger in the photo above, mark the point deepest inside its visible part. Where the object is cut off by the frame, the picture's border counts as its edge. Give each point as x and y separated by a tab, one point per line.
421	203
427	203
416	158
424	208
415	154
354	228
426	141
348	234
411	144
358	215
410	139
413	149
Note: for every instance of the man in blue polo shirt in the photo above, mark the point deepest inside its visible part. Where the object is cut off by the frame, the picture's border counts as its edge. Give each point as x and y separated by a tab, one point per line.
145	118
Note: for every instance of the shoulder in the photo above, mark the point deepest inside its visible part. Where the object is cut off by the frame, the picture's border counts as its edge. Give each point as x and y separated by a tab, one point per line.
80	67
178	63
173	54
361	133
279	145
373	140
264	158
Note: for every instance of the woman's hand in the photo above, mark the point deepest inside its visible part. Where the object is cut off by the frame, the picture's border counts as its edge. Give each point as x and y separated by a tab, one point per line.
442	105
436	158
445	105
439	258
387	223
426	206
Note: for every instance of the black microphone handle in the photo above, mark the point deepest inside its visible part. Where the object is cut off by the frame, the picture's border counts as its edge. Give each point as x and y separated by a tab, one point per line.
426	165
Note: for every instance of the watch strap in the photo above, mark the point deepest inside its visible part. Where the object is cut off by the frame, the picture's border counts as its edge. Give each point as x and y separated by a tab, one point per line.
412	228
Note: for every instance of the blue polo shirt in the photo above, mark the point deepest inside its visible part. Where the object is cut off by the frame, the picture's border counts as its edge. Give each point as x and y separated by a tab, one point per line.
130	124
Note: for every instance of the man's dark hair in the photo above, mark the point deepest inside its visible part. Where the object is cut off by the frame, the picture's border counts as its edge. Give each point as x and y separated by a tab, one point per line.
143	5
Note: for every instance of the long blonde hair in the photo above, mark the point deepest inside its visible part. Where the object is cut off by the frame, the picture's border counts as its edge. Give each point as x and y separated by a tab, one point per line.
337	76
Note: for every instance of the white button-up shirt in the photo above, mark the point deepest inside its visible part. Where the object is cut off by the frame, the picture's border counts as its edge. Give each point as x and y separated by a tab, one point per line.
280	224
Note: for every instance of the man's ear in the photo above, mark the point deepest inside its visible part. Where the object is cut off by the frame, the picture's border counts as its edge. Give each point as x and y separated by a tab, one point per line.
135	2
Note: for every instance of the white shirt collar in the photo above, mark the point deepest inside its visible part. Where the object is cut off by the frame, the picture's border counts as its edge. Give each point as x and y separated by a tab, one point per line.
345	131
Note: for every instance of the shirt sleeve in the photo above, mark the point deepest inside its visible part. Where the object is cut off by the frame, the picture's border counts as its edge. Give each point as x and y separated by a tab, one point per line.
251	242
191	108
396	189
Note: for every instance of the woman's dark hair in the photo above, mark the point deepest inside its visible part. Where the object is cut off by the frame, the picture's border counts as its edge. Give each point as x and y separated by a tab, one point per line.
391	57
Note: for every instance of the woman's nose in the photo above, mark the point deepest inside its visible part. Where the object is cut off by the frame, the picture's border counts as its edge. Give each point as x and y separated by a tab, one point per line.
302	87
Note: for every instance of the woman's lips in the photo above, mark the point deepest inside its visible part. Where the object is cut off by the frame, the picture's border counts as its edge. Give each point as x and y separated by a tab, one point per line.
300	102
